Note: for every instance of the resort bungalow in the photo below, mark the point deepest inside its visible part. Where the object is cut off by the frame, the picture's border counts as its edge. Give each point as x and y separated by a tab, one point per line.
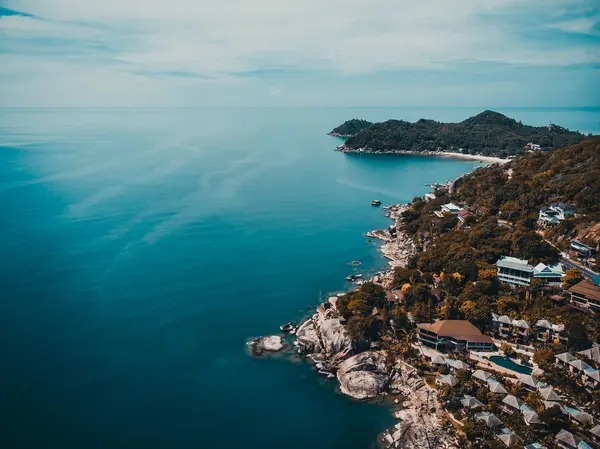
584	251
563	359
482	375
591	377
451	208
547	217
548	332
578	416
489	419
548	394
509	438
529	416
567	440
496	387
536	445
577	366
455	365
592	354
471	403
530	382
553	274
503	324
586	294
464	215
514	271
448	379
511	404
453	335
521	329
555	213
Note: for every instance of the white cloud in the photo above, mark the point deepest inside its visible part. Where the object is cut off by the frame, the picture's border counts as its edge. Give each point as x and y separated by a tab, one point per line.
133	39
583	25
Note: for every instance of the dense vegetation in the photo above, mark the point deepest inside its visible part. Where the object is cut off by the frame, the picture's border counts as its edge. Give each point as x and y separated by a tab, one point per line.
515	192
454	277
350	127
488	133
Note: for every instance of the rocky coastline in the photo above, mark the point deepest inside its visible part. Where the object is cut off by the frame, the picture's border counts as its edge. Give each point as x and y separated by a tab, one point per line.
366	373
343	136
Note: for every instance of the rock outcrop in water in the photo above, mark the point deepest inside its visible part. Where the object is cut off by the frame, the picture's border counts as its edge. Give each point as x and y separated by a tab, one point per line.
272	343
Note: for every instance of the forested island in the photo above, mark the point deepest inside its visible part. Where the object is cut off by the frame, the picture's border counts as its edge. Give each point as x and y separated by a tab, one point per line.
488	133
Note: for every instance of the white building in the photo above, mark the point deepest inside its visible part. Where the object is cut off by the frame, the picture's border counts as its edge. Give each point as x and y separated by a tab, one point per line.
553	274
514	271
555	213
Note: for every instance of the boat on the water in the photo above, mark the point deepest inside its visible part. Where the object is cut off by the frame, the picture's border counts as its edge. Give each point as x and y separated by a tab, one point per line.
375	203
354	277
288	327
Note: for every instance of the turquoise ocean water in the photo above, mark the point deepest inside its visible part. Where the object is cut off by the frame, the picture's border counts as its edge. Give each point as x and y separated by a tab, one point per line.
141	248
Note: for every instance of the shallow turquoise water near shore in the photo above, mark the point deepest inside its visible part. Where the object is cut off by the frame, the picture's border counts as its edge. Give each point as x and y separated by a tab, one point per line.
141	248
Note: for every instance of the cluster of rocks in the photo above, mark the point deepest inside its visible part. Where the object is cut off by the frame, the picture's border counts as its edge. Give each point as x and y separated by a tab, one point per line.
272	343
399	251
420	425
398	247
323	338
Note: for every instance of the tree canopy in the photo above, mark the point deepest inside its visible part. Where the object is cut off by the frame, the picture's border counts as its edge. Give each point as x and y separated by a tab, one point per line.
488	133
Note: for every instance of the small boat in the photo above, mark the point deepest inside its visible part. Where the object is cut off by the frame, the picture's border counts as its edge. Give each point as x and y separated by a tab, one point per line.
355	263
375	203
327	374
287	327
354	277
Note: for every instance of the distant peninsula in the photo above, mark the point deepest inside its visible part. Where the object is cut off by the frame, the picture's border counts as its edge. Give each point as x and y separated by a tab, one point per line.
350	127
488	133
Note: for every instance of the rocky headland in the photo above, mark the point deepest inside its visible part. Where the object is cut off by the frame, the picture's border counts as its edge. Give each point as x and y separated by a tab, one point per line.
367	373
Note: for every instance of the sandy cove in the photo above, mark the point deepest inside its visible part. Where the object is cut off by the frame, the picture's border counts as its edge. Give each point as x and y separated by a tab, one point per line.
449	154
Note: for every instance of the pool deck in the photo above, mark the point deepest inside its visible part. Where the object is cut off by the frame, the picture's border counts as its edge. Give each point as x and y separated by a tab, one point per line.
484	362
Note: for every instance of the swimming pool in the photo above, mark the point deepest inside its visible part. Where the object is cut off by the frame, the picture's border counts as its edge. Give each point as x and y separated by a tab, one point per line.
507	363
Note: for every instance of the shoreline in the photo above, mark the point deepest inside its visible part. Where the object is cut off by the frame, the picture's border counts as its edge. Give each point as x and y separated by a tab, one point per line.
321	339
447	154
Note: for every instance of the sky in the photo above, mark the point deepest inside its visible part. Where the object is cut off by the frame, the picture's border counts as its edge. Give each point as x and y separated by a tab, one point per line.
326	53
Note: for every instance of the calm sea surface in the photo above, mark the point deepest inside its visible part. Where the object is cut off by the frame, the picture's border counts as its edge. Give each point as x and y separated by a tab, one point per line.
140	249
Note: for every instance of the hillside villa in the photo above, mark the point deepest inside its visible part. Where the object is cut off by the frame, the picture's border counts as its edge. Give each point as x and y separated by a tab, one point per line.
519	272
583	250
453	335
587	294
449	208
554	213
586	373
514	271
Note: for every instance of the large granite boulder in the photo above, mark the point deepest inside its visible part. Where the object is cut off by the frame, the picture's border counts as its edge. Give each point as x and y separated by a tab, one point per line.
334	336
364	375
308	337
